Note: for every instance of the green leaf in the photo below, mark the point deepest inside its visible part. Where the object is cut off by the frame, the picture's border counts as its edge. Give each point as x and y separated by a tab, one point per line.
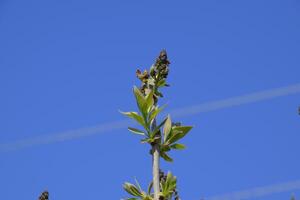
138	184
177	146
150	140
147	140
153	133
178	132
139	119
161	83
150	187
149	101
183	129
132	189
136	131
141	101
155	112
166	157
167	127
171	181
159	94
168	186
165	148
144	103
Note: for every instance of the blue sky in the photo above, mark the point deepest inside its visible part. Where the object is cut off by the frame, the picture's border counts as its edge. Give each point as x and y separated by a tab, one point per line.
66	65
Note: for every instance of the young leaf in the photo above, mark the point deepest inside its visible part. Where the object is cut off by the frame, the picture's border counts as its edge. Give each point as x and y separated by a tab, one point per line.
138	184
171	181
178	133
158	94
139	119
153	133
149	101
161	83
168	186
136	131
177	146
167	127
166	157
132	189
165	148
150	188
147	140
141	101
155	112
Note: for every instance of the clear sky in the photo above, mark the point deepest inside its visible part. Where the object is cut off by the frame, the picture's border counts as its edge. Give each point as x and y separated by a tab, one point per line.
66	65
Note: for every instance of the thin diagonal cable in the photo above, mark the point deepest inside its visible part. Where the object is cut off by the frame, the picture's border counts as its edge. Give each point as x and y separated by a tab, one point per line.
182	112
238	100
64	136
258	191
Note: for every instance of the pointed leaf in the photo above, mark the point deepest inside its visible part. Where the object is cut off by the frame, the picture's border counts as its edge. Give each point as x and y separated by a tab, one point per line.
141	101
167	127
149	101
139	119
158	94
150	187
155	112
136	131
165	148
153	133
147	140
166	157
161	83
138	184
183	129
177	146
132	189
178	132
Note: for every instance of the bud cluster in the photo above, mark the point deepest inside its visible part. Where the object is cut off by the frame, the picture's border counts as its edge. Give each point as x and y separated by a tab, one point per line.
44	196
156	77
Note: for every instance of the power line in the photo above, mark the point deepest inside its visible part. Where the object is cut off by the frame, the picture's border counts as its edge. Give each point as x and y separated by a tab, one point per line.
182	112
238	100
64	136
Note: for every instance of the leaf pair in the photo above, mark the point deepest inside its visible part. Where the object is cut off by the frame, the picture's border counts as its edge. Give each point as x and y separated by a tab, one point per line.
146	116
171	134
148	112
137	192
139	119
168	186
